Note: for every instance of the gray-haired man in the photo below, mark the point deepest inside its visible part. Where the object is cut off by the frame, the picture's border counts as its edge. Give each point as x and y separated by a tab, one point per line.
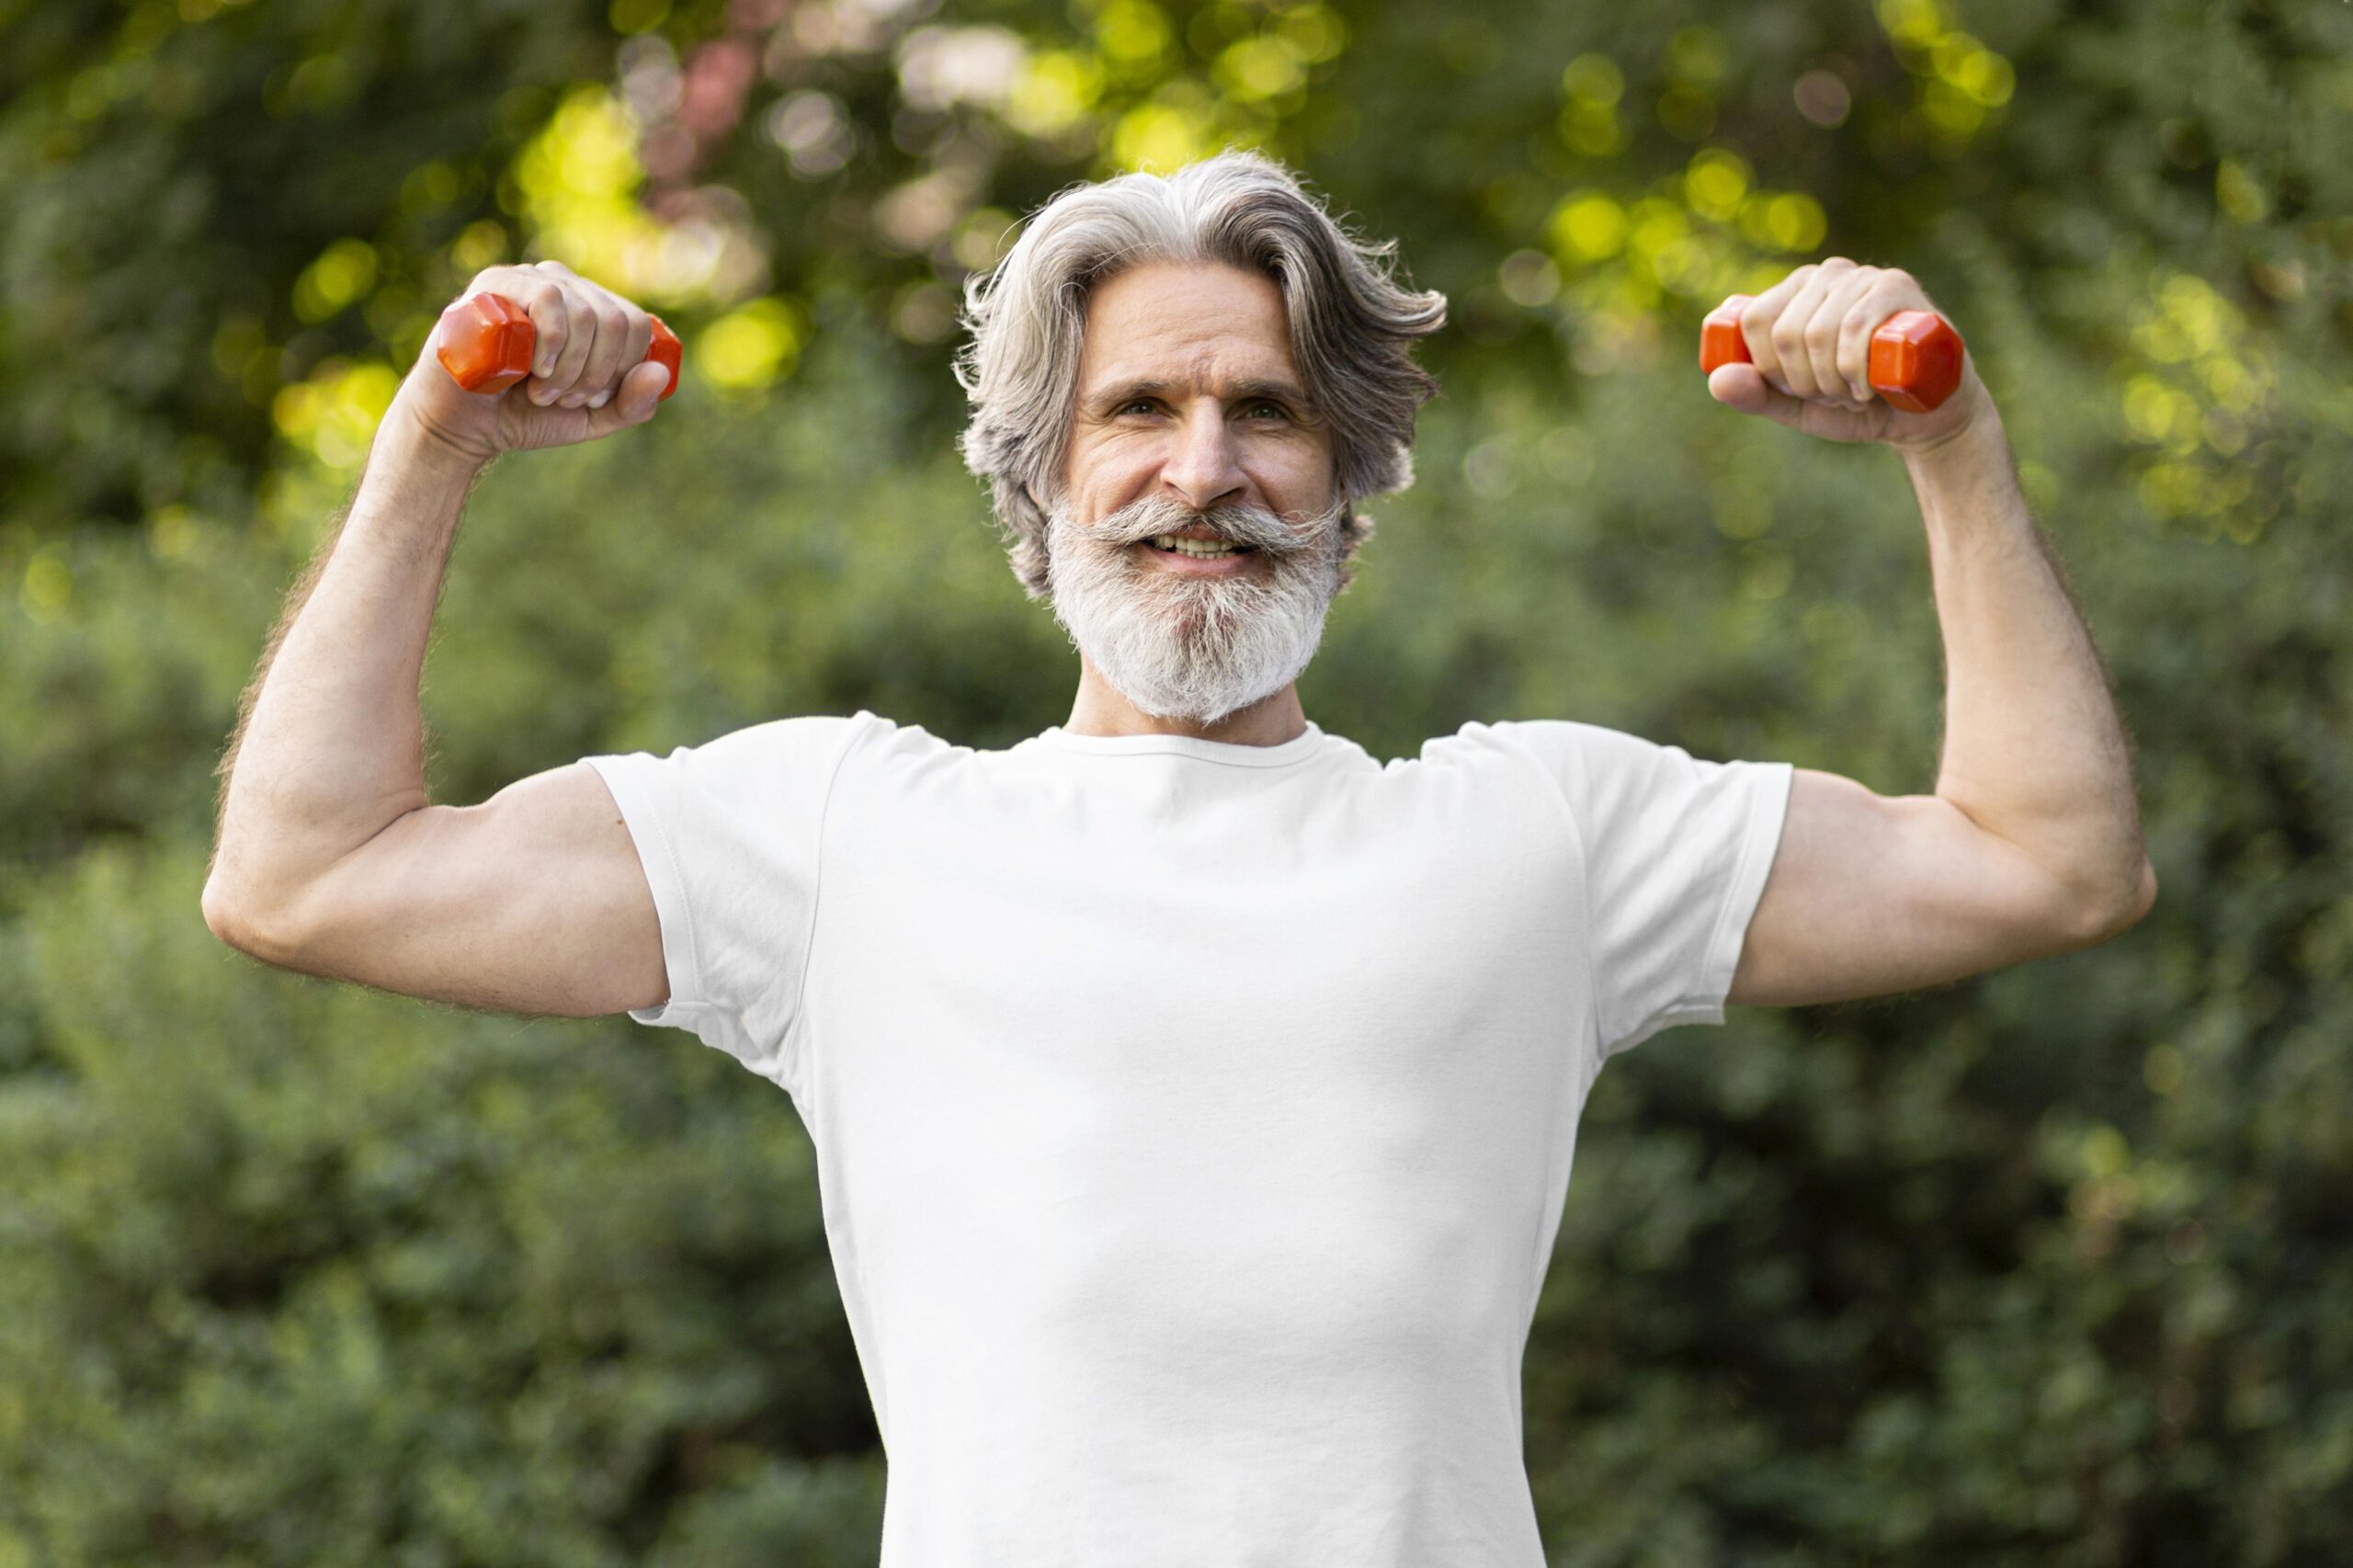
1193	1096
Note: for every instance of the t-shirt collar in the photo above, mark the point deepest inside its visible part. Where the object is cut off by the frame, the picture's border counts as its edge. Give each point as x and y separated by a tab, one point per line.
1296	749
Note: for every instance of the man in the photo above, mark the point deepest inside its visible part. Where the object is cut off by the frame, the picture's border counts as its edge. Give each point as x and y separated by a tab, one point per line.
1194	1098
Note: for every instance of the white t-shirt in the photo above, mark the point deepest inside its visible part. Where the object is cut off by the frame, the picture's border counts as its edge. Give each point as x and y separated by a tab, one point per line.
1193	1120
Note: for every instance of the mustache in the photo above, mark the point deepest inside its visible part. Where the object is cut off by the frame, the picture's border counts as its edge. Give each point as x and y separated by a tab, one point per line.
1234	522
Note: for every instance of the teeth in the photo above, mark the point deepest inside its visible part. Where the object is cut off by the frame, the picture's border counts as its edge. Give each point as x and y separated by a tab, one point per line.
1201	549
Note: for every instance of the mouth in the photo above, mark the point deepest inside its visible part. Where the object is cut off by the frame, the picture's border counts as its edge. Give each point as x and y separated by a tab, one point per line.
1199	549
1198	557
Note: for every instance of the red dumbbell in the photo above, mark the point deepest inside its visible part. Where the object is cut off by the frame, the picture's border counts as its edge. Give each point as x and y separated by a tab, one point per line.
1915	355
486	342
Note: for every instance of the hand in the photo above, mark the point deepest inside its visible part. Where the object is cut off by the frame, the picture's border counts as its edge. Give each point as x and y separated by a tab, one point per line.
1810	337
590	376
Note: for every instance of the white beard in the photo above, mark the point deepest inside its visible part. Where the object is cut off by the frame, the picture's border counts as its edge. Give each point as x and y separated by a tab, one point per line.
1185	647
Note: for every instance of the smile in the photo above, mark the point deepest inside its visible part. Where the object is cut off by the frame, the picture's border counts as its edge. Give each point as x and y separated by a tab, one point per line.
1198	558
1199	548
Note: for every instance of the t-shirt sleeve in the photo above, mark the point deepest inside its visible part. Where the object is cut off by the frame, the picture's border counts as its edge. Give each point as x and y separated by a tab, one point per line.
729	833
1676	850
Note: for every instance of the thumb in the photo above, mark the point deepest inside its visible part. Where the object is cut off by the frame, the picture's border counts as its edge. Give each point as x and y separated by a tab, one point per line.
639	395
1743	387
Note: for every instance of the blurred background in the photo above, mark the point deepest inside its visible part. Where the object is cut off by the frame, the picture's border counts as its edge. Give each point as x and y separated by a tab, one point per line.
2050	1266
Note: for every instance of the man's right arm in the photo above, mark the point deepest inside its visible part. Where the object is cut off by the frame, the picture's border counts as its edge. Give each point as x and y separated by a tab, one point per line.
328	858
532	902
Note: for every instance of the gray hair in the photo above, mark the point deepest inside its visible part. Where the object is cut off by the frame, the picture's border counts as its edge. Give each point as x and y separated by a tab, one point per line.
1352	328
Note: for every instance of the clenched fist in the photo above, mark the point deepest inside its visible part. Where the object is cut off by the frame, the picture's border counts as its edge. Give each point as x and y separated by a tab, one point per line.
1808	337
589	374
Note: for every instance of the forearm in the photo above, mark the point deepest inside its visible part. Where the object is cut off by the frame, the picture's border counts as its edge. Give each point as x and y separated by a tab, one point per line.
330	743
2034	749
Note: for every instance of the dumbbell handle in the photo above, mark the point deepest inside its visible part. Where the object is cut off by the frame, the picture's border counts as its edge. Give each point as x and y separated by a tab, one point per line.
1915	355
486	343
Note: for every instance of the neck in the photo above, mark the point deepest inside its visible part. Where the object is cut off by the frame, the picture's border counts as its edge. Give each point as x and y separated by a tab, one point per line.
1100	710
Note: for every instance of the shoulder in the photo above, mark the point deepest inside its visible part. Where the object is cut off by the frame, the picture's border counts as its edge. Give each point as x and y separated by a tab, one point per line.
774	748
795	754
1566	750
800	733
1609	777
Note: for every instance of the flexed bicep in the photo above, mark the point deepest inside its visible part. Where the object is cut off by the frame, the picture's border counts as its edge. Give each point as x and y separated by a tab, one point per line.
1872	894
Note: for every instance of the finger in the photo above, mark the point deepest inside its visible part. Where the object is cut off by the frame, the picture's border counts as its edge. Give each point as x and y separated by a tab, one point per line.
1864	317
636	336
579	340
603	367
1791	348
1829	335
1757	318
542	298
1890	292
553	331
640	396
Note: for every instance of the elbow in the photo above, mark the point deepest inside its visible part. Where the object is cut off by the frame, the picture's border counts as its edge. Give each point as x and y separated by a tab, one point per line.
2116	914
223	919
217	918
229	919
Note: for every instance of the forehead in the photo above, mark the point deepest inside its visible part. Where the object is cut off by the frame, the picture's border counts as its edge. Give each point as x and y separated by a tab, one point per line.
1205	326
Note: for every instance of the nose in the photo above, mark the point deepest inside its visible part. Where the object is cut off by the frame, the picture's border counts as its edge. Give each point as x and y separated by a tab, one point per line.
1203	466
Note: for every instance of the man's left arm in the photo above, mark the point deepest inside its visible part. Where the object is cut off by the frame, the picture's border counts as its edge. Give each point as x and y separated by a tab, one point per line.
2031	843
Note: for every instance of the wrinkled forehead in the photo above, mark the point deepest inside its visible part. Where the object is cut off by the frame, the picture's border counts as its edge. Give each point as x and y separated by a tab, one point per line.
1210	329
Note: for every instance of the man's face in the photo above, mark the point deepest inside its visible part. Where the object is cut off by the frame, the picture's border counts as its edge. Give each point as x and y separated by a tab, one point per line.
1192	423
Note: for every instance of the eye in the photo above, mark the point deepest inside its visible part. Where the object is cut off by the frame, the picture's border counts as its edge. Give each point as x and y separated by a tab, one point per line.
1264	408
1135	404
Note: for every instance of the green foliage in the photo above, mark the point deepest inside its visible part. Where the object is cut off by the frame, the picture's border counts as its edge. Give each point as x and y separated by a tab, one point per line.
2046	1268
166	175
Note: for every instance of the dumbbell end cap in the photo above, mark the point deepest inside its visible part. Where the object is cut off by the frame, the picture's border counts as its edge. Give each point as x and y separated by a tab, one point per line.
486	343
1720	339
1915	361
666	351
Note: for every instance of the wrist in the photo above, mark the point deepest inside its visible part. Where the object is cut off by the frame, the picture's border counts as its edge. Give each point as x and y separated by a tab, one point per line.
412	438
1976	440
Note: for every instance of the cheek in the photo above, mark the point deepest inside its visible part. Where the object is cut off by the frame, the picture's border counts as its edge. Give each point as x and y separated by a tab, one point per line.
1298	473
1115	473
